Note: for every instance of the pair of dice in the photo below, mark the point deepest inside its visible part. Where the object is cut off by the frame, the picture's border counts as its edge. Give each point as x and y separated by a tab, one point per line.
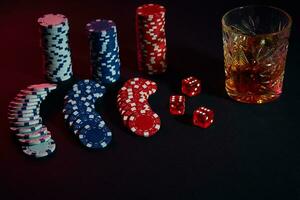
191	86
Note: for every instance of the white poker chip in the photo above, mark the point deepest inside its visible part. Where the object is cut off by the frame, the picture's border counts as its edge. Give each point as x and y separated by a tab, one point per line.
40	150
56	50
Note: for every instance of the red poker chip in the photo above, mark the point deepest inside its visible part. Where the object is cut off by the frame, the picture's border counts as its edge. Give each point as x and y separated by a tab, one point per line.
156	69
138	100
132	102
144	124
154	28
125	117
136	97
150	18
133	105
144	86
151	85
141	93
147	10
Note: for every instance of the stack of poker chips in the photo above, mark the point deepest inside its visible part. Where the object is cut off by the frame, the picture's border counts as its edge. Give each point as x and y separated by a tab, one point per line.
137	115
81	117
26	122
151	38
104	51
54	30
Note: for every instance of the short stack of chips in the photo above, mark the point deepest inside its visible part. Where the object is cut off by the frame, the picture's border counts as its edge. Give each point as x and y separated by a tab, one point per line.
104	51
137	115
151	38
54	30
81	117
26	123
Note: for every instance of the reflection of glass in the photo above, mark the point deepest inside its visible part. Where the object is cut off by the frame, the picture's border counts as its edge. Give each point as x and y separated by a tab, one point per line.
255	40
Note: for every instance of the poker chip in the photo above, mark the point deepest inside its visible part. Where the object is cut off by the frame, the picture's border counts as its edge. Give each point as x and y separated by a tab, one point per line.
42	87
136	112
36	140
104	51
81	117
54	31
26	129
40	150
95	137
144	124
26	123
25	120
34	134
92	119
151	38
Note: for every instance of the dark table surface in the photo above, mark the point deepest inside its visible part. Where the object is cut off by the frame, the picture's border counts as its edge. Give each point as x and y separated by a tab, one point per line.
250	152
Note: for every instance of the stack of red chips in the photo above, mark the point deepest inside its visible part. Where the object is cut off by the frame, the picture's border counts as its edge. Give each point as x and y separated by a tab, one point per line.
151	38
132	101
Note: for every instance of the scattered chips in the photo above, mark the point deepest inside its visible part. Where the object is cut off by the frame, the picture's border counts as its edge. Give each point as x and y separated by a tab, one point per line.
54	30
137	115
81	117
104	51
151	38
26	123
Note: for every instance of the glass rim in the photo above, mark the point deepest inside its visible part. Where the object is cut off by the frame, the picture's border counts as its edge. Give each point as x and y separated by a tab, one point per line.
260	6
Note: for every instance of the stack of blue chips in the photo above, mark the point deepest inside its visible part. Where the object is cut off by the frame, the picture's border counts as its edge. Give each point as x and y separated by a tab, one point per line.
54	30
81	116
104	51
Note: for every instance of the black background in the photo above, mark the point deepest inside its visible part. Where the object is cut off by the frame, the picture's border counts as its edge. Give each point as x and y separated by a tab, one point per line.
250	152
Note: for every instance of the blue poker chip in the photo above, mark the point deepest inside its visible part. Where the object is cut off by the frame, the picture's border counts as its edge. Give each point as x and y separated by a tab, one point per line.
80	95
81	106
72	117
77	113
95	137
92	119
91	85
85	104
101	26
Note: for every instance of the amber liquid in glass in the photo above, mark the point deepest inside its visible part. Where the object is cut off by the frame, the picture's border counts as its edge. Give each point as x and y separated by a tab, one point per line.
254	66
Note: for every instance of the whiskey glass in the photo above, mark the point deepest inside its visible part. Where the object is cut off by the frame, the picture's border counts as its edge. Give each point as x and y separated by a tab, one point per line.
255	42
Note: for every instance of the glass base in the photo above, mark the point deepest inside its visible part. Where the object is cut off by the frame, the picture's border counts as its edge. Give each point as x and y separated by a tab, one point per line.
253	99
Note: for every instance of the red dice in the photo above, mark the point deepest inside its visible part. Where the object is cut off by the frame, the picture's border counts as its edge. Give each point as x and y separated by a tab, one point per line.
203	117
191	86
177	104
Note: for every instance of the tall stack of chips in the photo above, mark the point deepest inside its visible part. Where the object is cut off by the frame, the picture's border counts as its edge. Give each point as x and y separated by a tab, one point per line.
104	51
151	38
54	30
26	122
